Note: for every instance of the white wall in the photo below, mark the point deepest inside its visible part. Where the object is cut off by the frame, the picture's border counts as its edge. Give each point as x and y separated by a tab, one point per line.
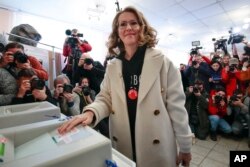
53	32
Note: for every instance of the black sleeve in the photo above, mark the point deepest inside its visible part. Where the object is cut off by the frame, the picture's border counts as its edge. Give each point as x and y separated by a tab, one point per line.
98	69
49	97
17	100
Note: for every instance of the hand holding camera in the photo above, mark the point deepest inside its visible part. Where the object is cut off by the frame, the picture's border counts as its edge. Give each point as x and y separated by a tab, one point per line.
39	94
24	87
58	92
8	57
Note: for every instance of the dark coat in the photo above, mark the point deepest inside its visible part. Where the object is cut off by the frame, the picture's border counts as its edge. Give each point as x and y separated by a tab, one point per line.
202	111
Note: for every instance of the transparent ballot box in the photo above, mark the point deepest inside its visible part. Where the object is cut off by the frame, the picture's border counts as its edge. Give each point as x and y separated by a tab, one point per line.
15	115
40	144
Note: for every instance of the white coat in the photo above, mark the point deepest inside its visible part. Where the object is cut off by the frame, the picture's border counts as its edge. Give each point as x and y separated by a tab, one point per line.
161	118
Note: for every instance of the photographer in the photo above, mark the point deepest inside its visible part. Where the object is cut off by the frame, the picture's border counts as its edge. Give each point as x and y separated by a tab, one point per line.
198	70
72	49
230	77
86	94
14	59
93	70
215	80
217	108
68	100
238	109
31	88
197	106
184	79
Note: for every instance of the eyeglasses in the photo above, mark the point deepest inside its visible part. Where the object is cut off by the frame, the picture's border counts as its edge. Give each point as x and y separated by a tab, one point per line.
132	24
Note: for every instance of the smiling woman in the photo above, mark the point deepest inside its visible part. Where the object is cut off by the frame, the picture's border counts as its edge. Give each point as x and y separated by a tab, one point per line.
143	91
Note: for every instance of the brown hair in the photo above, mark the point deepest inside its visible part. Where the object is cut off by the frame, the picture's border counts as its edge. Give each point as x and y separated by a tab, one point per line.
147	34
13	45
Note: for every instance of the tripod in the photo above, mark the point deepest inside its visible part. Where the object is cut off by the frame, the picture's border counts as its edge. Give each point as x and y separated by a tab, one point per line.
73	60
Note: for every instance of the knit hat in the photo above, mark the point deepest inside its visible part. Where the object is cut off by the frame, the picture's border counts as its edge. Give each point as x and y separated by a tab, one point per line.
233	61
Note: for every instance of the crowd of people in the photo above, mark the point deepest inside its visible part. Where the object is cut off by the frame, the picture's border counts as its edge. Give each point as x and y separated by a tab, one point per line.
138	90
217	93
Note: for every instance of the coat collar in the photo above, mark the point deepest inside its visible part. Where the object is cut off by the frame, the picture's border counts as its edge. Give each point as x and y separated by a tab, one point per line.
150	71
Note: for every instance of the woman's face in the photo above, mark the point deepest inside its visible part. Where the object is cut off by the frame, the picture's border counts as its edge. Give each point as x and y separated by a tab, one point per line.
128	29
85	82
215	66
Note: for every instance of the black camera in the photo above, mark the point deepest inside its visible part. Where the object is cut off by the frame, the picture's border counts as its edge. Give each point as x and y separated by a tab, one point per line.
232	67
220	44
194	51
67	88
88	61
235	38
217	99
194	63
86	90
72	41
37	83
234	98
20	57
196	90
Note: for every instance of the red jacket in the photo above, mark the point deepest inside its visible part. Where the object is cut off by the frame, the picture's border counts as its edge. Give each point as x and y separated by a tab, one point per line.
38	68
230	80
214	109
84	47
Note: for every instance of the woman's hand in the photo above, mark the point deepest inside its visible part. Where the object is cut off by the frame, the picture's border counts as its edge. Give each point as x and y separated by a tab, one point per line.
85	119
184	159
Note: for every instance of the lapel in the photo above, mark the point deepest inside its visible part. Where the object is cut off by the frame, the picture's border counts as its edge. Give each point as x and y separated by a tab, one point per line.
117	78
150	71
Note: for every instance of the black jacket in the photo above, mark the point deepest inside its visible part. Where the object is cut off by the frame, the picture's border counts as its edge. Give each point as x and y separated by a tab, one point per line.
95	75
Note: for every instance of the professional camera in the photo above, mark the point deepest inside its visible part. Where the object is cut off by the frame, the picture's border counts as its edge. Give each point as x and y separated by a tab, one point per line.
86	90
196	90
72	41
194	63
88	61
217	99
194	51
220	44
67	88
235	38
232	67
37	83
233	98
20	57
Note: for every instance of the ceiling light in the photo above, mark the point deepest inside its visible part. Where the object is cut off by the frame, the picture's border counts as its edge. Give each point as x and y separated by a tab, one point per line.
245	26
247	20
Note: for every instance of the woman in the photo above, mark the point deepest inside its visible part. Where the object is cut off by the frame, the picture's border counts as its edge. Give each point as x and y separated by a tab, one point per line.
143	95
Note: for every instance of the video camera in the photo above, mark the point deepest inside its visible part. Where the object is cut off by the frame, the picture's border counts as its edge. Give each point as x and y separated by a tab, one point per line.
220	44
72	41
37	83
194	51
235	38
